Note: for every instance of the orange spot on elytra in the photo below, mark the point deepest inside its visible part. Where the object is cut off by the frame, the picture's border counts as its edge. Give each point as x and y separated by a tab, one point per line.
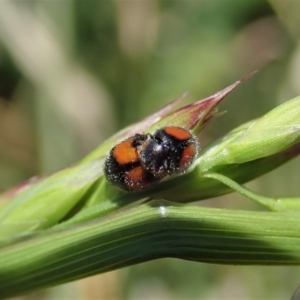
178	133
137	174
187	156
136	178
125	153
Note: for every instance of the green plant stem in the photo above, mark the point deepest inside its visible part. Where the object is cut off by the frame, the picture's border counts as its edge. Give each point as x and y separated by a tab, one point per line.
150	231
291	204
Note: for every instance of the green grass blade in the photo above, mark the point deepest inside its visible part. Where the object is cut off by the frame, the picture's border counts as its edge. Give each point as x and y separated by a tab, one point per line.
146	232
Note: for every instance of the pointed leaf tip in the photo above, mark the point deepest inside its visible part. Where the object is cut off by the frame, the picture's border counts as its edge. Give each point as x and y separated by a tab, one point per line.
194	116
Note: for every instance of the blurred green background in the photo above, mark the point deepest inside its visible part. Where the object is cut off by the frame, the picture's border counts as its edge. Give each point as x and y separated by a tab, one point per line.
74	72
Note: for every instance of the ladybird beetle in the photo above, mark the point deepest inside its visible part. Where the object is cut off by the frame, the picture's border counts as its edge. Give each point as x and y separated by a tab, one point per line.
144	159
